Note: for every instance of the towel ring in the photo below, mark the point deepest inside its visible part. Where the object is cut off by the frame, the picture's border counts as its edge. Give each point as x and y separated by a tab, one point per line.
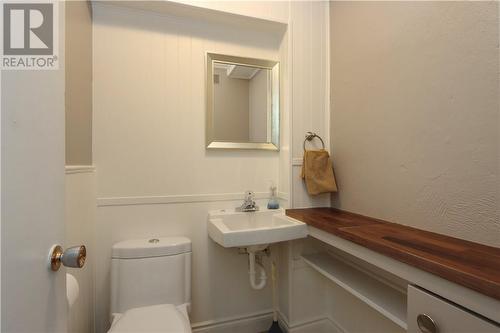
310	136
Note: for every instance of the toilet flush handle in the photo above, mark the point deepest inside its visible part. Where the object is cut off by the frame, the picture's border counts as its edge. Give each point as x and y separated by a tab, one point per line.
73	257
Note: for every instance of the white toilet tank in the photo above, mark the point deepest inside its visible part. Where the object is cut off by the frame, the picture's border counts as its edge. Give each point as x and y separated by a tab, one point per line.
149	272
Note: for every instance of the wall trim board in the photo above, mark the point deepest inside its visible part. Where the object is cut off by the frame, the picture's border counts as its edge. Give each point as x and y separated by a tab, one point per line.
302	322
326	322
254	322
70	169
328	92
179	11
283	195
297	161
183	198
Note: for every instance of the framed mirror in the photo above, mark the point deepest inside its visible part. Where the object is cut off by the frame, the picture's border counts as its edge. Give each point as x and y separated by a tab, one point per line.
243	109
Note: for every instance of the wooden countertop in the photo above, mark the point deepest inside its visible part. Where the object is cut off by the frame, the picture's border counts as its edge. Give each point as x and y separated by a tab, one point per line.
469	264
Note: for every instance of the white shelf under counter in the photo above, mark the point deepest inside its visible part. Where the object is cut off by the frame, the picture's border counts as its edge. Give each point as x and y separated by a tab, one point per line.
387	300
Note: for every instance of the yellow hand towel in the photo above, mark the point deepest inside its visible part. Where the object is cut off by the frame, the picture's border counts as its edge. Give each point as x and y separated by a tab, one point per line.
317	171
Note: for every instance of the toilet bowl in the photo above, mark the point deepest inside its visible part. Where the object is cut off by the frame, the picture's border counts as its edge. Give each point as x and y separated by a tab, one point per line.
151	285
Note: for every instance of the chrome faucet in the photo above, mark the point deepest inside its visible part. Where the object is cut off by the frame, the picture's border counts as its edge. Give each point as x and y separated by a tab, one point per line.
248	203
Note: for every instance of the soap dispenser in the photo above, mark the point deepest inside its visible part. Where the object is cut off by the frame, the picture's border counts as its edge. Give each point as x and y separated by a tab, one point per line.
273	201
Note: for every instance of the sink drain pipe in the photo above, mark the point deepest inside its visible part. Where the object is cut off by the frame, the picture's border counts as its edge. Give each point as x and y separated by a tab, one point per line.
253	265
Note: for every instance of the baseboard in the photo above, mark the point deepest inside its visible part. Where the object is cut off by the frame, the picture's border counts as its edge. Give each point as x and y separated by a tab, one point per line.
261	321
336	326
253	323
319	325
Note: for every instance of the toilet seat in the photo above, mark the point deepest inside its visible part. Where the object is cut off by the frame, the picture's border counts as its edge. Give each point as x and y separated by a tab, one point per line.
163	318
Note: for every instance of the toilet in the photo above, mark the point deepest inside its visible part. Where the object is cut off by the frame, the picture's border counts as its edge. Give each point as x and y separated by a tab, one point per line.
151	285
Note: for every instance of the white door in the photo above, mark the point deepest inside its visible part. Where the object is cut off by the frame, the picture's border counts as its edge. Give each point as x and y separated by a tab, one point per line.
32	211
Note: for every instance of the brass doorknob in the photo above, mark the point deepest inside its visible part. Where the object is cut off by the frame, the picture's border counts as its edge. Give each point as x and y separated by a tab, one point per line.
73	257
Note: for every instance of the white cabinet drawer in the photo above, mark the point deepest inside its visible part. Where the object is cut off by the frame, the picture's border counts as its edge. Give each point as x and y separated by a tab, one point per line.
447	317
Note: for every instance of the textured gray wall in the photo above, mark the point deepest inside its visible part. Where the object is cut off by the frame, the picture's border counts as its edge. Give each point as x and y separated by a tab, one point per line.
415	114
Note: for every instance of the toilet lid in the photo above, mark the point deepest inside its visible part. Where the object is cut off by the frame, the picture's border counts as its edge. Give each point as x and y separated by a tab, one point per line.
163	318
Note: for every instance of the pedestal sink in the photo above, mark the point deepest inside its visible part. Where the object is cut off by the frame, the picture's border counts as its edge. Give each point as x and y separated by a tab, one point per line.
230	228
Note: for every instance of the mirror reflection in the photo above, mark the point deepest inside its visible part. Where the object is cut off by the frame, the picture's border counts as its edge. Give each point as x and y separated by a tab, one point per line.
242	103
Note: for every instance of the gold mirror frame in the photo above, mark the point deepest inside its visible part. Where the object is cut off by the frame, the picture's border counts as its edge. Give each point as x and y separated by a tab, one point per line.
271	65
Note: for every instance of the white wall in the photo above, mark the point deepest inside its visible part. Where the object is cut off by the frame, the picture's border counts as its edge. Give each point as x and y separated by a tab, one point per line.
302	300
150	107
415	119
309	89
149	146
80	230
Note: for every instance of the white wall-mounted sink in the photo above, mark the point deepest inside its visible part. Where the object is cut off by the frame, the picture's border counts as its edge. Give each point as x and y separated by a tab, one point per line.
230	228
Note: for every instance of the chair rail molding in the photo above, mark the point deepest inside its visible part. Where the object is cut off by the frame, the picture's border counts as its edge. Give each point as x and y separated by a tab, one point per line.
180	198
